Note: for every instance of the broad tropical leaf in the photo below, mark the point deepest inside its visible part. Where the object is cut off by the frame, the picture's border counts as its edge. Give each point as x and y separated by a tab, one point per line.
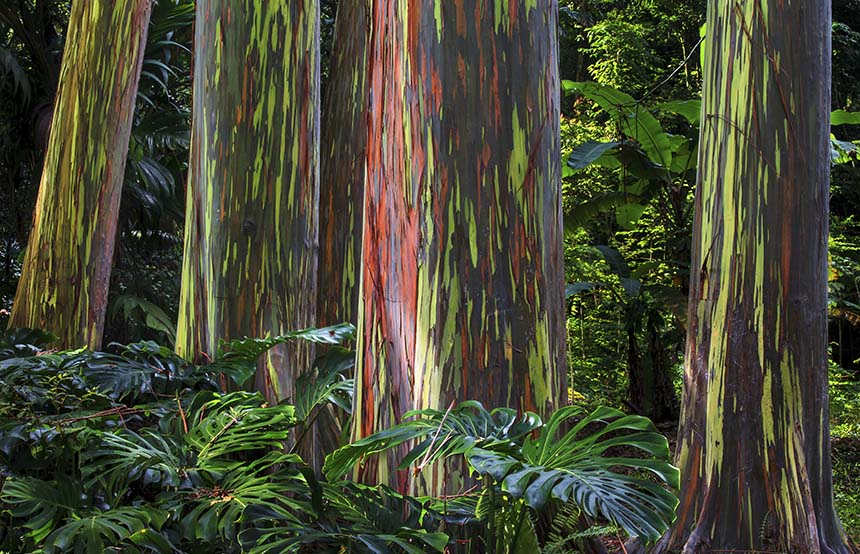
691	110
589	152
440	434
579	215
573	466
268	488
239	357
635	121
327	383
125	528
842	117
41	504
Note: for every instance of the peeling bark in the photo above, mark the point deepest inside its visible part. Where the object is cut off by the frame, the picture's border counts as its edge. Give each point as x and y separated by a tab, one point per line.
250	260
754	444
462	272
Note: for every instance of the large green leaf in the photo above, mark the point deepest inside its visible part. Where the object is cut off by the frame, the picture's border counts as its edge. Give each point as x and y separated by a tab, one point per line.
685	158
268	488
154	317
238	358
572	289
842	152
842	117
440	434
615	259
250	349
205	437
41	505
230	424
142	370
58	515
573	466
9	65
128	456
20	342
123	528
635	121
328	382
691	110
589	152
628	214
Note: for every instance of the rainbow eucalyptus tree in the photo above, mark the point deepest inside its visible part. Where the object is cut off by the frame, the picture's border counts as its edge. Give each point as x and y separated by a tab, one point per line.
342	163
344	135
66	270
462	265
754	443
251	222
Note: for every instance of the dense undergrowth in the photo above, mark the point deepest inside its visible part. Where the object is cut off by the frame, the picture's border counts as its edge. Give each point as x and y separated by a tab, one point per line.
136	450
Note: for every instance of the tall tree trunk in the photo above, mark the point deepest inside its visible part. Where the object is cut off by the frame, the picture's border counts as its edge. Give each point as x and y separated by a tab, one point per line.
462	272
251	223
66	271
342	167
342	164
754	442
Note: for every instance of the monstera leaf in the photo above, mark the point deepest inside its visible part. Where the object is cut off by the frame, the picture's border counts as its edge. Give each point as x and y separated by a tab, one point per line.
60	515
577	465
440	434
328	382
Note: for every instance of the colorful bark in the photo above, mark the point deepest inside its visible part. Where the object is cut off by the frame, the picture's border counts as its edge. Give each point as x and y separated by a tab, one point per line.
754	443
344	118
462	271
66	271
251	222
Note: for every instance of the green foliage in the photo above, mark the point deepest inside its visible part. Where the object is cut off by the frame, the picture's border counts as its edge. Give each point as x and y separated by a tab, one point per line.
844	391
633	120
327	383
354	517
238	358
565	534
846	477
440	434
558	465
138	450
563	466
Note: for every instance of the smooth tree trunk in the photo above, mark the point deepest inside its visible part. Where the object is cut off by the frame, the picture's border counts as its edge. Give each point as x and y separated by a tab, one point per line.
462	271
250	256
342	164
754	447
66	271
